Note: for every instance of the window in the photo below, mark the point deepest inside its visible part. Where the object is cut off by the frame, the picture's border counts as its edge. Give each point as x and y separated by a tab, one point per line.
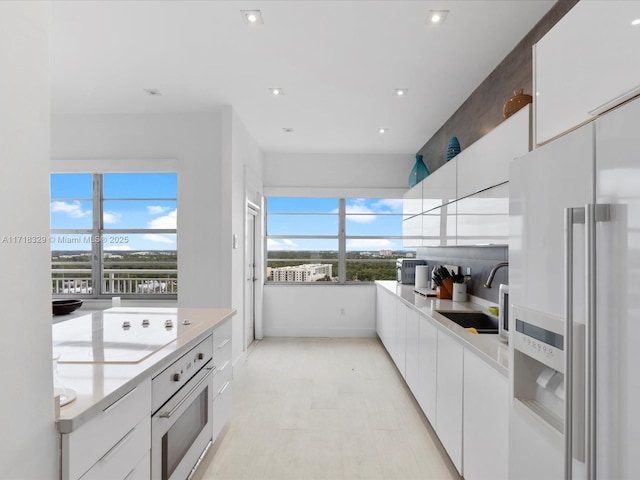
333	239
114	234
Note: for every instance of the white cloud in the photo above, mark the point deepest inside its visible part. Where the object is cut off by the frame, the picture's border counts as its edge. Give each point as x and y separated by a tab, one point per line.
166	221
111	248
369	244
154	237
392	205
364	214
156	209
72	209
111	217
281	244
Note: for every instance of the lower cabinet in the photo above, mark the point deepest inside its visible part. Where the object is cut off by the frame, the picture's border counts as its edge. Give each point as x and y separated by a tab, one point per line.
486	406
399	342
412	357
449	389
428	369
112	443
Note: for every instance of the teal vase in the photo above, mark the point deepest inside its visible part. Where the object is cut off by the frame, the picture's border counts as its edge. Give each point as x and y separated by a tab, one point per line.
453	148
419	172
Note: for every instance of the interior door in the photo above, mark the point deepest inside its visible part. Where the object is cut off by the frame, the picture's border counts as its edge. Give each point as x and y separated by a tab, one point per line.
250	271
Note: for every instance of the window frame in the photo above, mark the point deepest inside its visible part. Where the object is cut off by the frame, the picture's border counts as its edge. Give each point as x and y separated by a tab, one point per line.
341	236
98	231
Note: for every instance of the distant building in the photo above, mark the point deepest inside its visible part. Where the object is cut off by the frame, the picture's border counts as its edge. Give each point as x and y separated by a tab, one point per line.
302	273
385	253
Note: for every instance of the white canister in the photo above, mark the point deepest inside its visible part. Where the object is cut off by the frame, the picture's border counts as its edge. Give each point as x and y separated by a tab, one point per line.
422	276
459	292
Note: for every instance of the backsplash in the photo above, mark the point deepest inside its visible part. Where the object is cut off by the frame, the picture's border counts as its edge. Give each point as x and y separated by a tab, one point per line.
480	259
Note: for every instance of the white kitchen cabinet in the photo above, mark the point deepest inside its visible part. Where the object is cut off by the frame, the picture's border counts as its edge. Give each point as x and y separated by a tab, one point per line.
117	437
385	311
411	217
439	226
399	349
486	415
449	391
583	64
428	369
483	218
485	163
412	365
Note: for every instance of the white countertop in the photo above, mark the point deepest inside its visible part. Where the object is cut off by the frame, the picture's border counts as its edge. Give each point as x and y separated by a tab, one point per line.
489	347
101	363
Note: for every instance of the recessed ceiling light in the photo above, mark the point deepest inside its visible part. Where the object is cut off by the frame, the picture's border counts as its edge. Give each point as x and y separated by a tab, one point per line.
635	22
276	91
252	17
287	130
436	17
383	130
401	92
154	92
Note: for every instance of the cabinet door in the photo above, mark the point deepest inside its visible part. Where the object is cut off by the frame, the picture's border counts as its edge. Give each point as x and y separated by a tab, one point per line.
384	301
486	411
400	337
485	163
411	219
449	397
570	83
483	218
412	367
428	372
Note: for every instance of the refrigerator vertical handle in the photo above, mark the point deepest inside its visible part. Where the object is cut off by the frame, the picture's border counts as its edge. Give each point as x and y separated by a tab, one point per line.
569	220
593	213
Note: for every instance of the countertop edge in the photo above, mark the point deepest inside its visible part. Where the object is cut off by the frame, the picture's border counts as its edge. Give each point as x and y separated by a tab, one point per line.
156	363
489	348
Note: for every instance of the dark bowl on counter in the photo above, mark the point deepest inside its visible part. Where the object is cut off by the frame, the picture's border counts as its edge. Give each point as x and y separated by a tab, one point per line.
63	307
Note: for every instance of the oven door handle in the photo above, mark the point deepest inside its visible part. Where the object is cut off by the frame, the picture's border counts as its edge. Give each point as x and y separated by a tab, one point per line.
186	397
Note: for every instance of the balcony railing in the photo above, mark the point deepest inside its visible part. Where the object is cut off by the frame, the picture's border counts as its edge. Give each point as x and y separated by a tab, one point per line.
78	281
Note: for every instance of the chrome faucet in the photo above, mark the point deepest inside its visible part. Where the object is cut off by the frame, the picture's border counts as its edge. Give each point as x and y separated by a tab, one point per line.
493	271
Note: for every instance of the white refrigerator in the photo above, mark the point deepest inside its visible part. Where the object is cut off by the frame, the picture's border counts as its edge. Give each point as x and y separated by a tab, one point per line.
574	275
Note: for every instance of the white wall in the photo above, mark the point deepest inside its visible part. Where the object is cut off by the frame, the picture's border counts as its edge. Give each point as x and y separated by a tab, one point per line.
320	310
29	440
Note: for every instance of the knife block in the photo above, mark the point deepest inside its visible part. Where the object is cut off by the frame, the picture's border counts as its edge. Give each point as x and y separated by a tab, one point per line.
445	291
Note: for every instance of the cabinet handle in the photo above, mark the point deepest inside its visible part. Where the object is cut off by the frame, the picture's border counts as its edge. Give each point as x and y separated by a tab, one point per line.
222	344
120	400
224	365
130	475
112	451
224	387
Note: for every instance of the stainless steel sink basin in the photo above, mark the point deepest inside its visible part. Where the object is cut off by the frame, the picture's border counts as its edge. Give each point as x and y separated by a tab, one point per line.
481	322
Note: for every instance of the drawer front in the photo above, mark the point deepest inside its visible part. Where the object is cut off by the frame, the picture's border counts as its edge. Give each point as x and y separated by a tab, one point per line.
142	471
222	343
221	376
221	408
122	459
89	443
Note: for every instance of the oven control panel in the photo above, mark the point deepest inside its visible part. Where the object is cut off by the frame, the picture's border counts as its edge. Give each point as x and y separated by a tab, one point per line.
173	377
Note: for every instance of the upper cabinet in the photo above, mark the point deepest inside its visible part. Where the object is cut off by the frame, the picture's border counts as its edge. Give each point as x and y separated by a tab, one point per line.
586	64
465	201
485	163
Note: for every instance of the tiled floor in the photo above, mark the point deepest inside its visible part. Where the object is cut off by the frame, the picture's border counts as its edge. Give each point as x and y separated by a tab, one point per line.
324	409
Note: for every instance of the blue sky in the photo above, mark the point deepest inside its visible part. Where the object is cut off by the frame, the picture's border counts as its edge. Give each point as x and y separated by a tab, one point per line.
131	201
318	216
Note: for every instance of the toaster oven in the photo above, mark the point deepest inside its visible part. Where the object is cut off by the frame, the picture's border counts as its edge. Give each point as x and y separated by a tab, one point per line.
406	268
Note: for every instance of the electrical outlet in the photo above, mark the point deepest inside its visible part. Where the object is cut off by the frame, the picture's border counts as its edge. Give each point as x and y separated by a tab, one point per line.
342	311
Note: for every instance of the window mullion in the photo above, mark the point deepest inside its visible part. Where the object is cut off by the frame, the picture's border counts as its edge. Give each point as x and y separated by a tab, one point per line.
96	240
342	242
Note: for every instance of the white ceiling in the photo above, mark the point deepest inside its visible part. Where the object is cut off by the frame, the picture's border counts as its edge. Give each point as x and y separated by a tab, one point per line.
338	62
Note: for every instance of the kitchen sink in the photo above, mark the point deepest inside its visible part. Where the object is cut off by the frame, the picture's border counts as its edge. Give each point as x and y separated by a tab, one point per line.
481	322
